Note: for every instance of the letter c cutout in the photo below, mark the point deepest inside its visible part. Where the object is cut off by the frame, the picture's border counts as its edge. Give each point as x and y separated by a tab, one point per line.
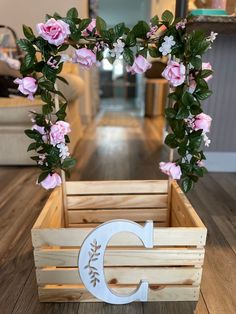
91	260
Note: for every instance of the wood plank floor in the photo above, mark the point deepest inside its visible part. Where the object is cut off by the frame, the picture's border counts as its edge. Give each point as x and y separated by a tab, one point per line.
122	151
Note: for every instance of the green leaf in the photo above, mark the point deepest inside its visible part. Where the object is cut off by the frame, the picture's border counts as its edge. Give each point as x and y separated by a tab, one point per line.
167	16
143	52
63	47
43	176
28	61
155	20
202	84
140	29
170	140
33	134
72	13
195	141
68	163
196	62
202	95
182	150
170	113
28	32
173	96
107	35
33	146
46	96
26	45
153	52
195	109
99	55
83	24
49	73
178	128
47	109
128	56
56	16
47	84
206	73
61	113
75	33
187	99
100	24
182	113
119	29
130	39
187	184
61	78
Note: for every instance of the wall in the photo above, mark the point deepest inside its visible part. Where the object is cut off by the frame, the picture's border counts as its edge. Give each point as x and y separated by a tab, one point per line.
15	13
159	6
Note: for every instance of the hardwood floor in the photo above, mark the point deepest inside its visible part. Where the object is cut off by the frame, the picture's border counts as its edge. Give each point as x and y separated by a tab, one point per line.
116	152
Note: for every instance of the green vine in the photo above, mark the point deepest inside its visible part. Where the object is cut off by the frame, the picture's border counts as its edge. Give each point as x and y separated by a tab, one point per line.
91	40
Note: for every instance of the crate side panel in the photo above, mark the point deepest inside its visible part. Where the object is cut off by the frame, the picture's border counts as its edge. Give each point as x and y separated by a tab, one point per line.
116	187
80	294
123	257
116	201
102	215
181	209
162	237
124	275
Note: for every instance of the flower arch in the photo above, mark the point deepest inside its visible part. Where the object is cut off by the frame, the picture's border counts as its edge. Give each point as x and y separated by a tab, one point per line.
187	75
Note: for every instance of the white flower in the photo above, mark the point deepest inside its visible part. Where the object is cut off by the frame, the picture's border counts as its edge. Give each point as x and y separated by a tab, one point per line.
65	58
64	151
169	40
206	140
165	49
166	46
118	48
42	157
212	37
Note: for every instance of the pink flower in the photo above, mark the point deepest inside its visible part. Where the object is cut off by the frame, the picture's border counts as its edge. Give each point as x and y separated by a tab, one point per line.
174	73
51	181
152	31
54	31
207	66
200	163
85	57
171	169
58	132
202	122
192	86
140	65
27	86
89	28
181	24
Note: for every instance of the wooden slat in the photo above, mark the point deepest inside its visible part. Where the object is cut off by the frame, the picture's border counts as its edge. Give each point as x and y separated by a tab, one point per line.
78	293
124	275
102	215
52	213
116	201
116	187
94	225
123	257
182	209
162	237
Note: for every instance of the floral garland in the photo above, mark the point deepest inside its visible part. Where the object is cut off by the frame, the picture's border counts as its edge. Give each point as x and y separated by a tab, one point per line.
92	40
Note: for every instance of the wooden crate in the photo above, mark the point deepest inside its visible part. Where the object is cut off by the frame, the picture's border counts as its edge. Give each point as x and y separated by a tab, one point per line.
173	267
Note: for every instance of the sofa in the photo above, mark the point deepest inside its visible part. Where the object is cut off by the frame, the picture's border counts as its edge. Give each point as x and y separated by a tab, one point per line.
14	119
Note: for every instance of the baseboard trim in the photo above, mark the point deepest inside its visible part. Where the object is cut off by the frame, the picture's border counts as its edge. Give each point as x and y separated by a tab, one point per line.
221	161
